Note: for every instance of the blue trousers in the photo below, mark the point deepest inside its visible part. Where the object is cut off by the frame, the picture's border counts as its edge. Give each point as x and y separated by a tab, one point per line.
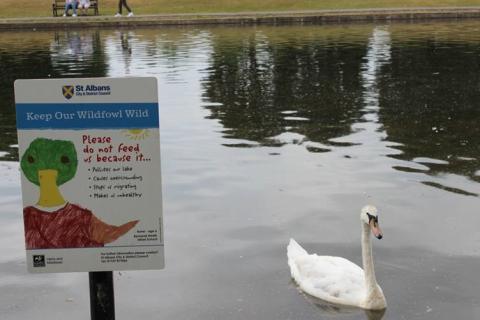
73	5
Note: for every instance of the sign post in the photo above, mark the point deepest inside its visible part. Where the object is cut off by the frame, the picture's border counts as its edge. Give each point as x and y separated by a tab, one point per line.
102	298
91	186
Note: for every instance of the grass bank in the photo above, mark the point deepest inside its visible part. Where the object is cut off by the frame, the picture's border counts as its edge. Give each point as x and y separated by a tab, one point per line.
42	8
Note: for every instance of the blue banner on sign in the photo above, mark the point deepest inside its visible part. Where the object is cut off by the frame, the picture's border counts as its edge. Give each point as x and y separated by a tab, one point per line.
87	115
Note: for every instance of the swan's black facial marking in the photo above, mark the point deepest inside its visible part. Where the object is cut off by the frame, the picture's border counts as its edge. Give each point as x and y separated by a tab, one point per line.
372	217
373	222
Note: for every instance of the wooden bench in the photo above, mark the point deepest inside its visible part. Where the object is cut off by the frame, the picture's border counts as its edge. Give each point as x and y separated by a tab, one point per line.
59	5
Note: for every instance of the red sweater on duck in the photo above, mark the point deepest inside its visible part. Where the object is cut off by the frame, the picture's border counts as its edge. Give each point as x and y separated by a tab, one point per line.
67	227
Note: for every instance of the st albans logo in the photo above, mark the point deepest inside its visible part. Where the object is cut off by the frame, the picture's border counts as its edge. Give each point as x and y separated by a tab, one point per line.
68	91
85	90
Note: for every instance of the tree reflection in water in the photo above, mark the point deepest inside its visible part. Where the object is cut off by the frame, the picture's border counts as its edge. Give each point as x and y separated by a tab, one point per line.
430	104
46	55
272	90
266	87
269	86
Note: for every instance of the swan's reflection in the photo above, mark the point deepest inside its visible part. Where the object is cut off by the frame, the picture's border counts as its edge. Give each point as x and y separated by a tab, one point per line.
334	309
375	314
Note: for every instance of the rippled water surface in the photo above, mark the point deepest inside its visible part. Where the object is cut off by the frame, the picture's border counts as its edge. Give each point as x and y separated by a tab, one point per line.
270	133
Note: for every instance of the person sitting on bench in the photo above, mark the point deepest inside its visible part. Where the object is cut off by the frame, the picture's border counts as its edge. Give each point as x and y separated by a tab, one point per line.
70	4
83	6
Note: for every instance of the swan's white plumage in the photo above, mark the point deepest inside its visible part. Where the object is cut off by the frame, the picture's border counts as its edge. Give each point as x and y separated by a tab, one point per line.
332	279
336	279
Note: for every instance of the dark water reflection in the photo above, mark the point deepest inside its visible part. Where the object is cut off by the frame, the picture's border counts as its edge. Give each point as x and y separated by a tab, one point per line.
312	86
430	104
270	133
42	55
265	87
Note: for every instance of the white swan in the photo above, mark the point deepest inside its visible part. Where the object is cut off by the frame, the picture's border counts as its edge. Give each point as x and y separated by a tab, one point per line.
339	280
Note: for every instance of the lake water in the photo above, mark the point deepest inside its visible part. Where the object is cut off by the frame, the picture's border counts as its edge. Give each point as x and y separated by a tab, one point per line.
275	132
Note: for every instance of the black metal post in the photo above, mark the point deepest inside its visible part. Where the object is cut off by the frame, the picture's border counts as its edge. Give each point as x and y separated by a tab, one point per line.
102	301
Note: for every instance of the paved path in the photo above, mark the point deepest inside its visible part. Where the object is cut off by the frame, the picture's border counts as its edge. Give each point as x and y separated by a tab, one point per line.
247	18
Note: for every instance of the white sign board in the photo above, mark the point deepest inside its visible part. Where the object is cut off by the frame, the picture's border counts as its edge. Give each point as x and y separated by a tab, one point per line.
90	160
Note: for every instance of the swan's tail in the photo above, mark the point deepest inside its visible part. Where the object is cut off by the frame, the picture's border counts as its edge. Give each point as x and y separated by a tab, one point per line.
294	252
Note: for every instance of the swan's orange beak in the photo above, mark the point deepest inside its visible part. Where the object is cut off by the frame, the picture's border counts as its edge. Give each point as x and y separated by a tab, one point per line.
377	232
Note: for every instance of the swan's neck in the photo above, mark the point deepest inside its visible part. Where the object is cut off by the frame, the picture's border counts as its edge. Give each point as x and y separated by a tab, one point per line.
367	257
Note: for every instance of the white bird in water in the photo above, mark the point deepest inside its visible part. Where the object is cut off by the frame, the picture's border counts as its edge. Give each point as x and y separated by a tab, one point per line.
338	280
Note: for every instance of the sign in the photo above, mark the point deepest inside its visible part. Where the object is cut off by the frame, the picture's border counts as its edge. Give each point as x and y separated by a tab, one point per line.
89	154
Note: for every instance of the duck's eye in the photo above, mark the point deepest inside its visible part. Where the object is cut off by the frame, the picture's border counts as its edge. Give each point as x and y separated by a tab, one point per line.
65	159
30	159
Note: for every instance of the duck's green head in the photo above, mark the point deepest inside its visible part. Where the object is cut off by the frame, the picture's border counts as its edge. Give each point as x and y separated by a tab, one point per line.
47	154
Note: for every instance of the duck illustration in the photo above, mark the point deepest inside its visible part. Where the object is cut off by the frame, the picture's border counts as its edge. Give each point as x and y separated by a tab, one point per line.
54	222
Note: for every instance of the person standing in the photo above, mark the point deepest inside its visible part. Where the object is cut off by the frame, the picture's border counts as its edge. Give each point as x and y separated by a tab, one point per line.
70	4
123	3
